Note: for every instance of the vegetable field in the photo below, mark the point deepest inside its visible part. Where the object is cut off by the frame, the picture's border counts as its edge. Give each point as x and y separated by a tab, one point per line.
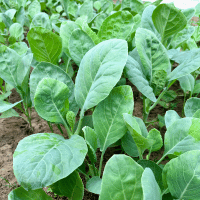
99	100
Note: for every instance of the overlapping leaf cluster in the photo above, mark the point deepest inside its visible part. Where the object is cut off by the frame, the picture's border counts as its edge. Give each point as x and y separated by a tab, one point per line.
82	53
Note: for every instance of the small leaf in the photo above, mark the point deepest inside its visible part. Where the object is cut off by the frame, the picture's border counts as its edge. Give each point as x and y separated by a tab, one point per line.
94	185
34	8
4	105
191	106
16	31
170	117
9	113
187	83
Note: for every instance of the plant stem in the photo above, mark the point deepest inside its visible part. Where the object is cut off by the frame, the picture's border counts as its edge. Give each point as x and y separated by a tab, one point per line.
83	173
79	123
101	161
50	126
68	129
60	129
161	160
164	192
140	154
93	166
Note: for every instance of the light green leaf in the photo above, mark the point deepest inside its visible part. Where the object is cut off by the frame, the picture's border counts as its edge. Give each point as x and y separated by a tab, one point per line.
108	119
135	74
189	13
45	45
87	9
168	20
182	175
41	20
191	106
34	8
20	47
118	25
132	125
16	31
79	44
152	53
48	70
4	105
121	179
151	190
21	194
188	65
9	113
51	100
72	8
99	71
135	5
66	30
180	137
197	87
44	158
187	83
170	117
71	187
94	185
155	135
3	96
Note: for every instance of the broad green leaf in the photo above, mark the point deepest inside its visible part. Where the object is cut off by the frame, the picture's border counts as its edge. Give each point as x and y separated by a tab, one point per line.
72	8
155	135
87	9
51	100
11	13
41	20
132	125
197	87
5	95
191	106
118	25
135	5
4	105
189	64
6	20
44	158
108	119
182	175
152	53
99	71
94	185
157	170
99	20
142	126
146	21
151	190
189	13
182	36
20	16
21	194
107	6
20	47
71	187
66	30
168	20
16	31
9	113
129	145
170	117
79	44
197	114
91	140
182	136
187	83
48	70
34	8
45	45
121	179
135	74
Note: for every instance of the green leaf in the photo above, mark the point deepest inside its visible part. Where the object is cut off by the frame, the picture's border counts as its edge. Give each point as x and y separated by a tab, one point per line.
34	8
72	8
107	61
71	119
170	95
9	113
122	175
157	170
66	30
183	176
44	158
189	13
94	185
152	53
20	47
108	118
51	100
170	117
79	44
87	9
71	187
41	20
45	45
187	83
118	25
132	125
180	137
16	31
4	105
135	5
135	74
189	64
197	87
191	106
155	135
129	145
182	36
151	190
48	70
21	194
146	21
168	20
